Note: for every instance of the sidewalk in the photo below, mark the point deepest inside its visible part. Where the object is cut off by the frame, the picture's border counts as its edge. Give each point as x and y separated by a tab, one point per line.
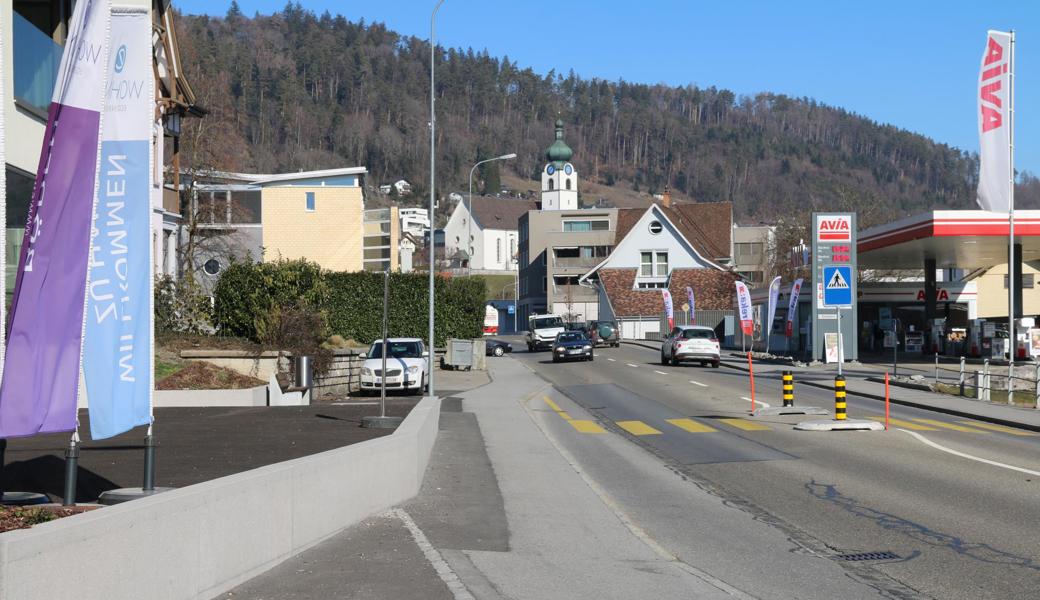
822	376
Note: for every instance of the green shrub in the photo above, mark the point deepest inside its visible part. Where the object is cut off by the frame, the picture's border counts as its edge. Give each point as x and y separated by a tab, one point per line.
248	296
181	306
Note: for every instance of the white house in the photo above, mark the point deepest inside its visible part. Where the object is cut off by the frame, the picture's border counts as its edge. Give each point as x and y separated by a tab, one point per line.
415	221
488	236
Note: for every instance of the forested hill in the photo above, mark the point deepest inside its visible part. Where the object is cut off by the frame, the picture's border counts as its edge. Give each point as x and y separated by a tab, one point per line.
296	90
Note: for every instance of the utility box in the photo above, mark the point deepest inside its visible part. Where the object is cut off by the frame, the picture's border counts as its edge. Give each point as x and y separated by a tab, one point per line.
465	354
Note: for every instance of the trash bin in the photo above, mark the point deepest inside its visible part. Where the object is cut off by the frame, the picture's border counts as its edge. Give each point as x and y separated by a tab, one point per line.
304	374
459	354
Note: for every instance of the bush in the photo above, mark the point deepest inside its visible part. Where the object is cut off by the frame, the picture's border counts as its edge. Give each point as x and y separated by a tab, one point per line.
181	306
249	295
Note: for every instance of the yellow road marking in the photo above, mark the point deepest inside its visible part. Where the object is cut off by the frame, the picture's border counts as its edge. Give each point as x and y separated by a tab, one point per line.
745	424
552	404
586	426
691	425
904	424
637	428
1000	428
945	425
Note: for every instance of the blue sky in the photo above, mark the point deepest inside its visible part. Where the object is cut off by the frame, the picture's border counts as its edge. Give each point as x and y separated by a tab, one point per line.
911	63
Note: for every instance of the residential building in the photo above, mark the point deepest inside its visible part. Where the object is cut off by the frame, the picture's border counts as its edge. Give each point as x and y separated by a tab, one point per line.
402	187
415	221
488	236
381	240
752	248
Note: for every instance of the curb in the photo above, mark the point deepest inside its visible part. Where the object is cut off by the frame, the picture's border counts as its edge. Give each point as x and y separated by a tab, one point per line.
641	344
921	387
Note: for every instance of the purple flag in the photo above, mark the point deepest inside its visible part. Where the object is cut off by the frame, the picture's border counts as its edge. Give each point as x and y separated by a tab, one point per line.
689	292
42	362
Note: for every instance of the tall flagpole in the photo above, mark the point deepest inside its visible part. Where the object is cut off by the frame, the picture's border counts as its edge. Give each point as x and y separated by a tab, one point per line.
1011	222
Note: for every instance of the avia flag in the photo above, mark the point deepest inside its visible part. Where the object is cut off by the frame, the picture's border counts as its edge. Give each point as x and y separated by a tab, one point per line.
994	97
668	311
117	357
689	293
792	307
774	296
747	321
3	207
42	362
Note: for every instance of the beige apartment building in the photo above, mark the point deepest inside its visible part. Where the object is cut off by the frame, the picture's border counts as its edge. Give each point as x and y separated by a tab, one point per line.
992	299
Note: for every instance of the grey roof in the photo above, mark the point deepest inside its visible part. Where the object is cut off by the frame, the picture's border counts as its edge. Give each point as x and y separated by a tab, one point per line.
500	213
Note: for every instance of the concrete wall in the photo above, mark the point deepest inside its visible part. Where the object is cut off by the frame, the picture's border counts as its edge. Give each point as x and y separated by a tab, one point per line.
261	366
342	377
330	235
256	396
199	541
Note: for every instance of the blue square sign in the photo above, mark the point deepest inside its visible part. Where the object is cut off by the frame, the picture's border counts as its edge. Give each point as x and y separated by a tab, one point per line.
837	286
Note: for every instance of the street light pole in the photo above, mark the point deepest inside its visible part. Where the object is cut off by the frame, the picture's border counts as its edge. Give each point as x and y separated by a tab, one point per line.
433	166
469	223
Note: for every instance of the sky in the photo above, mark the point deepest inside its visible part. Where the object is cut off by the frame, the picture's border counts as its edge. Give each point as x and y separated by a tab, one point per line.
910	63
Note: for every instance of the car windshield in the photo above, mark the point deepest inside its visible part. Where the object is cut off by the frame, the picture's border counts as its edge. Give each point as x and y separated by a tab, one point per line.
397	350
697	334
548	322
570	337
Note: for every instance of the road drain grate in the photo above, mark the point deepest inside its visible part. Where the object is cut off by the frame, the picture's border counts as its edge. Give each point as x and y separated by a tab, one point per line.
861	556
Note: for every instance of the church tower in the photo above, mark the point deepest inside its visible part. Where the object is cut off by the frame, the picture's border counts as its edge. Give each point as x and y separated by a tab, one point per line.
559	178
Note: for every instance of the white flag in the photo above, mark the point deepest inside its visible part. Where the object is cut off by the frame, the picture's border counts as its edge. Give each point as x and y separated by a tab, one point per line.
994	97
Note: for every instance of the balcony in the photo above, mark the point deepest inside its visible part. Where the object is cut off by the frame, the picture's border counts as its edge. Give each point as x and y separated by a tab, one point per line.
575	262
36	61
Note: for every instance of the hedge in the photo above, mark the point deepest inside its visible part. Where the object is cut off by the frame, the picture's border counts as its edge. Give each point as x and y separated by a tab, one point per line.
351	303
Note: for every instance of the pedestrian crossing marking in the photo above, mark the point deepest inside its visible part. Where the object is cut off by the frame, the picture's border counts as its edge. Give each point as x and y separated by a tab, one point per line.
637	428
691	425
745	424
1000	428
586	426
905	424
945	425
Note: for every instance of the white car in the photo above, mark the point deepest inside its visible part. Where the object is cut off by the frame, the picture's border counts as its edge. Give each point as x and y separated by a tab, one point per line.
406	364
691	344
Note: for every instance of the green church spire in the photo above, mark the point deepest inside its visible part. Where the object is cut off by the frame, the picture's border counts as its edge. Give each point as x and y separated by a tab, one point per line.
559	153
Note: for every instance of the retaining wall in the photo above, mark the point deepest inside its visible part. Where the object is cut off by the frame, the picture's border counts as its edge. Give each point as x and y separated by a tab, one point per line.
199	541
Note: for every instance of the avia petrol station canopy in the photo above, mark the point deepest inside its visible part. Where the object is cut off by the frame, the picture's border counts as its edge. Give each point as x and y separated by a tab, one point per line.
964	239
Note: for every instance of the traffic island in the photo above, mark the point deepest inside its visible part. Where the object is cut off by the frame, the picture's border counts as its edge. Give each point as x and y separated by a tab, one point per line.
839	425
778	411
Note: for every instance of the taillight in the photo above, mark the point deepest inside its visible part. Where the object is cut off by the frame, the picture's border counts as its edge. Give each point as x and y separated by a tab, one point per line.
714	340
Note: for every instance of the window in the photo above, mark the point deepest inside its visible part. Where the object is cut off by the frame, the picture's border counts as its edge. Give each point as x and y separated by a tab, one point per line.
570	252
310	201
747	249
551	185
652	285
587	225
568	183
653	264
565	280
544	286
211	267
1027	281
498	250
662	264
245	207
655	227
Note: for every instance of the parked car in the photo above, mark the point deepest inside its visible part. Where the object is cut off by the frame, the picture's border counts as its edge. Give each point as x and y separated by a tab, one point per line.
570	345
497	348
406	360
606	333
691	343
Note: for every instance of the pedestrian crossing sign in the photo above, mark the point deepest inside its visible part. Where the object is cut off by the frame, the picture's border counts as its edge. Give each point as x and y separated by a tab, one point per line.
837	289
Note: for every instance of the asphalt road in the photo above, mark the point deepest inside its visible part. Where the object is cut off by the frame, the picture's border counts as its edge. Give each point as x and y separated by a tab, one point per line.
934	491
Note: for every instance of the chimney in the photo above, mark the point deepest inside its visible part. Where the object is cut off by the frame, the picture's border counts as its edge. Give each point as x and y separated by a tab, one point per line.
666	198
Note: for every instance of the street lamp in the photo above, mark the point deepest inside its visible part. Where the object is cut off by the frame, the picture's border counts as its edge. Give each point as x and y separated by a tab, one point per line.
469	227
433	165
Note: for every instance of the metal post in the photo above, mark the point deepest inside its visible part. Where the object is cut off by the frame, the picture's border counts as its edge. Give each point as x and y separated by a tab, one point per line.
841	349
962	373
1012	337
382	378
71	468
1011	377
788	379
149	462
839	398
937	368
433	187
1036	383
985	377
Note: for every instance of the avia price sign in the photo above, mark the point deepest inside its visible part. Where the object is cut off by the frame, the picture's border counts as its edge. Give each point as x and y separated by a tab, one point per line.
834	275
834	228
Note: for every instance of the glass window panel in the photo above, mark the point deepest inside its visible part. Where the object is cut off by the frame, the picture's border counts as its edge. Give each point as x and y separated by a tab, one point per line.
662	264
646	266
245	207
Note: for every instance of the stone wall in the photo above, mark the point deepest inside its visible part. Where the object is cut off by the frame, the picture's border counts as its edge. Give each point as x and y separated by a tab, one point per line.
343	375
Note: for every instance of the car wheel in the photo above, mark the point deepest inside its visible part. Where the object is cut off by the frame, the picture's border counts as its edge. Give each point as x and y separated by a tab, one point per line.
591	356
556	359
664	361
498	351
675	361
703	364
715	365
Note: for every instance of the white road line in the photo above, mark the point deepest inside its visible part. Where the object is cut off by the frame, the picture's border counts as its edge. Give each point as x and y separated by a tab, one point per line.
631	365
611	360
757	402
698	383
929	442
660	372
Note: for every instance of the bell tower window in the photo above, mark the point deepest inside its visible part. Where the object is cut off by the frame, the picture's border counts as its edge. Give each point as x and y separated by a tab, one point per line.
551	185
568	183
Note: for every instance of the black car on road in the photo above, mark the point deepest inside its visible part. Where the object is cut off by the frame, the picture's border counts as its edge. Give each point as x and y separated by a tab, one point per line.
571	345
497	347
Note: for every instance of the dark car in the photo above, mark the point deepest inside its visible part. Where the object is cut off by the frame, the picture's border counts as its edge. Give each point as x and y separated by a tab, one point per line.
575	326
603	332
572	344
497	347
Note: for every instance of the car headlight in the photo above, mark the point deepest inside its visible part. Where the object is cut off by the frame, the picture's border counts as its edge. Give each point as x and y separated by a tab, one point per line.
560	348
413	369
366	371
587	347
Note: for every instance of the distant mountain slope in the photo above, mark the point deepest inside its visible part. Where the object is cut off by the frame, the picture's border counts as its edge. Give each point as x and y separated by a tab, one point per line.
299	91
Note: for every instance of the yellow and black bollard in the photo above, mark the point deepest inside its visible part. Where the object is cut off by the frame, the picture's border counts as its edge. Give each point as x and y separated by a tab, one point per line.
788	379
839	398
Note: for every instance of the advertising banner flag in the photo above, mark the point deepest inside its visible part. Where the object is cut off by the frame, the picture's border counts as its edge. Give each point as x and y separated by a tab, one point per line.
117	358
792	307
668	310
3	205
693	306
774	297
994	105
42	363
747	321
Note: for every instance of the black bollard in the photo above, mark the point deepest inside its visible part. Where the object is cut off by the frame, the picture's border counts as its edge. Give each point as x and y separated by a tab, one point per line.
71	466
149	462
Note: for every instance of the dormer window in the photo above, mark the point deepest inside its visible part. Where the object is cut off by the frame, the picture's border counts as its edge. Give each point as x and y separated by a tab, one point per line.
653	269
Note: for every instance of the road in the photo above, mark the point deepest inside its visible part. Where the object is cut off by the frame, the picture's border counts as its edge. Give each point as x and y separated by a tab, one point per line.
928	509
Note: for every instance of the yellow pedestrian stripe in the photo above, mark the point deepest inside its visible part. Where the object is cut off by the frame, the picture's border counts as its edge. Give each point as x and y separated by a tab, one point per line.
905	424
945	425
586	426
1000	428
637	428
552	404
691	425
745	424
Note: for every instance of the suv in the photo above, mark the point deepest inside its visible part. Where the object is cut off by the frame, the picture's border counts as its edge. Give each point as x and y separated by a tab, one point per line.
603	332
542	331
691	343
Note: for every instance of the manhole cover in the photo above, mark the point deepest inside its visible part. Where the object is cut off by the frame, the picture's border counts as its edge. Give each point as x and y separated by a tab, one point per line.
861	556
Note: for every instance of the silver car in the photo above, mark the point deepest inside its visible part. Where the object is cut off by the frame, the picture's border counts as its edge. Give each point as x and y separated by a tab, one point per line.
691	343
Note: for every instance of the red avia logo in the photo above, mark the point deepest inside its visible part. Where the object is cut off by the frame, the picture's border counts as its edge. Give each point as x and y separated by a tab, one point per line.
835	229
940	295
992	81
